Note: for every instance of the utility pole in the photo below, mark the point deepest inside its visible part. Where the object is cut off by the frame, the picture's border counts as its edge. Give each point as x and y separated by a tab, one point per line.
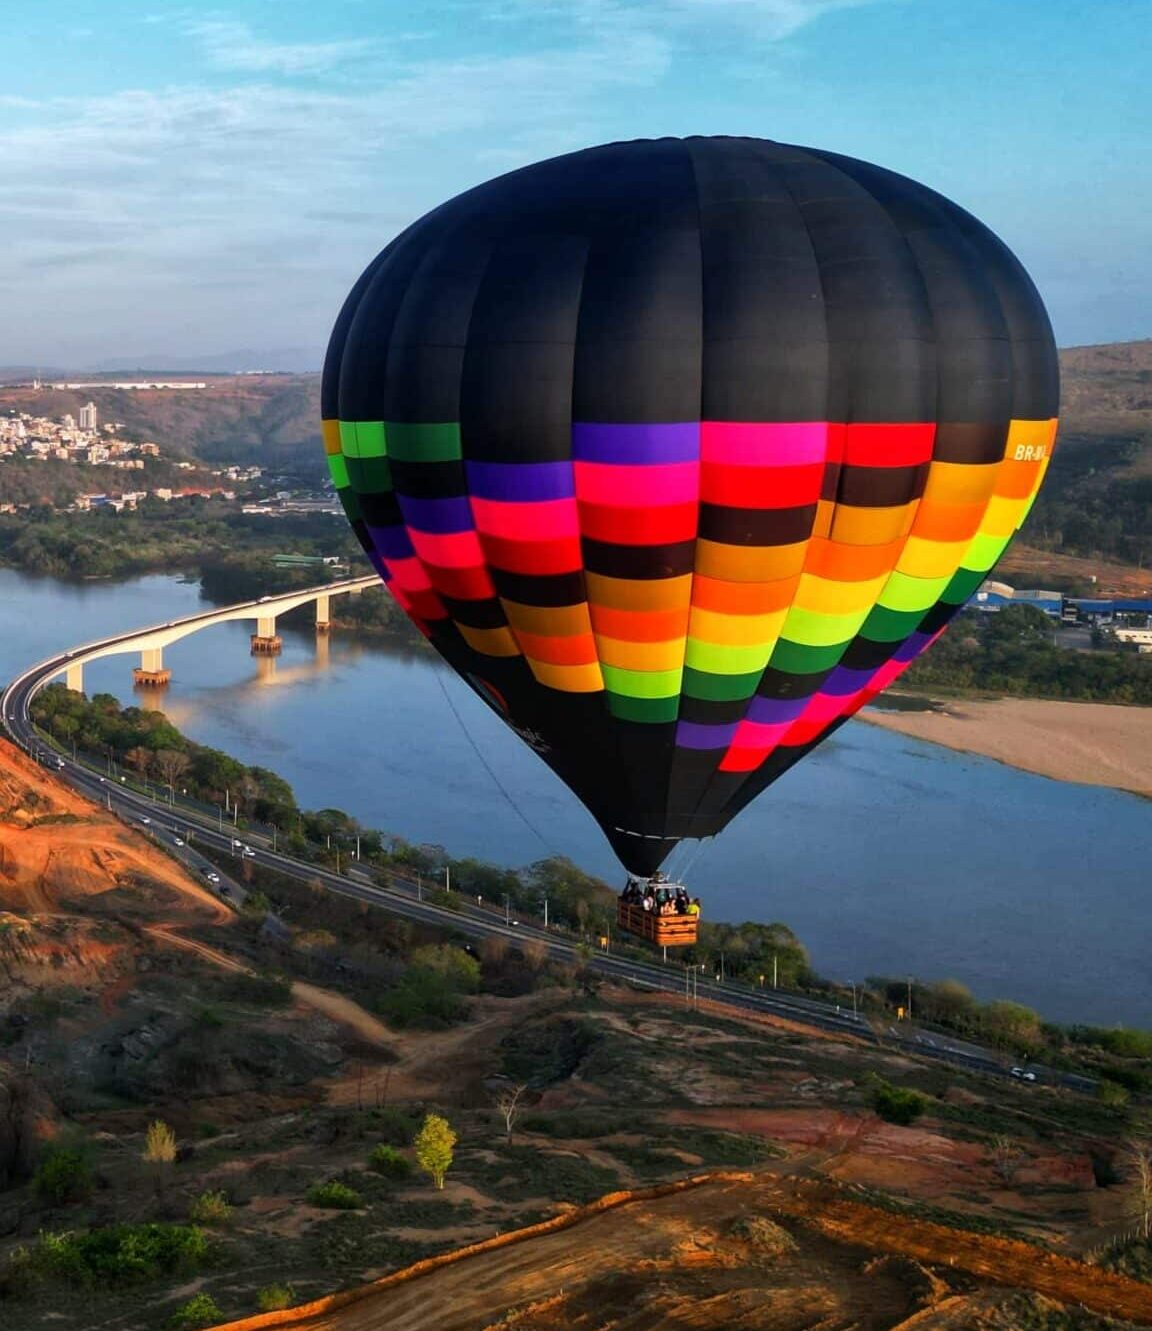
447	878
507	912
545	912
774	971
357	847
909	998
853	984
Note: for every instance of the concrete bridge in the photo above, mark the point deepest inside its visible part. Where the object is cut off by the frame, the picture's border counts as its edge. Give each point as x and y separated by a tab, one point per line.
150	642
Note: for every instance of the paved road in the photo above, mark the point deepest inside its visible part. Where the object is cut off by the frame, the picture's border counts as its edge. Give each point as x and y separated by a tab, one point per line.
401	898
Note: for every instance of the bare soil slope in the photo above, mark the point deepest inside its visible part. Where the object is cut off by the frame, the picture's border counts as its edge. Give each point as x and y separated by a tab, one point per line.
736	1251
55	846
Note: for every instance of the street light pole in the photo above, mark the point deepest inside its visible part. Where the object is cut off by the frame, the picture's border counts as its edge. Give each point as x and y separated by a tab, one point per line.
909	998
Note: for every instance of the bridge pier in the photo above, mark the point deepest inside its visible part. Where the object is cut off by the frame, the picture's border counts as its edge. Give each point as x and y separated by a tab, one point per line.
151	672
74	678
266	641
323	614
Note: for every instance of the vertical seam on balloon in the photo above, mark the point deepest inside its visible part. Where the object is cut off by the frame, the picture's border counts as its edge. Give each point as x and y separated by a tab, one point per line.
463	458
748	776
975	269
583	570
850	413
699	477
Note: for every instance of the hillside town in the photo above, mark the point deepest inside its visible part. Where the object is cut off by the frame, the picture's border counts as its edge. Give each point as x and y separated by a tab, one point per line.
83	441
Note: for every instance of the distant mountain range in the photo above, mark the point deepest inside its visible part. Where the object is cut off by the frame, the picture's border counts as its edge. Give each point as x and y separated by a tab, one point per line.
283	360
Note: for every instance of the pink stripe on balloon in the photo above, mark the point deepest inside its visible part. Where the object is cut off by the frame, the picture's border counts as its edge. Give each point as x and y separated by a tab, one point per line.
459	549
758	735
540	521
409	575
758	445
627	486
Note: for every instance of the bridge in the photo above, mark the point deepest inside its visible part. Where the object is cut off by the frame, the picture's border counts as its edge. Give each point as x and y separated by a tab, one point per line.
150	642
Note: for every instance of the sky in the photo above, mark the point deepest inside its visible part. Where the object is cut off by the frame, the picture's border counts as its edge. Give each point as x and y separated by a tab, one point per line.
188	181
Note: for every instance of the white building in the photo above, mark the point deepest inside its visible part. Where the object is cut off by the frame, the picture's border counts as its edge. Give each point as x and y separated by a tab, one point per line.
88	416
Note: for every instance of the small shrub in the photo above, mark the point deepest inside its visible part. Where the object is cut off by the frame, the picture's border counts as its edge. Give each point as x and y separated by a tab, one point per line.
275	1298
394	1126
159	1144
388	1161
896	1105
764	1236
200	1311
334	1196
64	1176
210	1208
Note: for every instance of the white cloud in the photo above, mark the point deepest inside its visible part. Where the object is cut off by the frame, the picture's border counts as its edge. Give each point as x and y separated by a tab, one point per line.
232	45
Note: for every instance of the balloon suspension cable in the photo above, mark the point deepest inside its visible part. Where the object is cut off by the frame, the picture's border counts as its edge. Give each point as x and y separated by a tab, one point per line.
705	843
479	752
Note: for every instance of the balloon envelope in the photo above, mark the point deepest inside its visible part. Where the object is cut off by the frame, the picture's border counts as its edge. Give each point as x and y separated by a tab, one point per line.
680	451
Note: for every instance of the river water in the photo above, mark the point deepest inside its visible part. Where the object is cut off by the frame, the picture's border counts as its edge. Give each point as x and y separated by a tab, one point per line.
884	854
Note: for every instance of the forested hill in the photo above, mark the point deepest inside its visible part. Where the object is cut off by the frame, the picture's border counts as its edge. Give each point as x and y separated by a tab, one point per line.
1097	499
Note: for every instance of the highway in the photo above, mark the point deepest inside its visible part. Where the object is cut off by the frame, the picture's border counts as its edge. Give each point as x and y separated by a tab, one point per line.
400	897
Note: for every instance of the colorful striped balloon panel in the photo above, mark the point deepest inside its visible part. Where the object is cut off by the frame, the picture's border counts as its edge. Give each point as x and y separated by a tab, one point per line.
754	583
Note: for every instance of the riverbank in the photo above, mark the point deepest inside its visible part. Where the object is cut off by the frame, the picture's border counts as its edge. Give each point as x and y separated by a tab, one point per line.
1096	744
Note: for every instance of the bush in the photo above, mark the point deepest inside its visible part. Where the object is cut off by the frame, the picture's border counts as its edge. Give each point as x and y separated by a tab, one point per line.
335	1196
199	1311
121	1254
394	1126
388	1161
210	1208
895	1105
64	1176
425	999
275	1298
764	1236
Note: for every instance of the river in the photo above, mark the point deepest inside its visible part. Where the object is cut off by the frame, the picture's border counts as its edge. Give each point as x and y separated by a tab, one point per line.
884	854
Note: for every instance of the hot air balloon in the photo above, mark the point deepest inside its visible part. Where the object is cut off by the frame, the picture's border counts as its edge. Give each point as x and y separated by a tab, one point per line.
681	451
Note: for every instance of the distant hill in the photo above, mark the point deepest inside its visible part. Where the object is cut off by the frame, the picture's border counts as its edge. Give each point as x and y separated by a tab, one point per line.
272	419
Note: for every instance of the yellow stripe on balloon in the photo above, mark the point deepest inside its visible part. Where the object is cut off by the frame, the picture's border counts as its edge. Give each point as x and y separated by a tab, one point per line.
824	597
922	558
568	678
640	655
734	630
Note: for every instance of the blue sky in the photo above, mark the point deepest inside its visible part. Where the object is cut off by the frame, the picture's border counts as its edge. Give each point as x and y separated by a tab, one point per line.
183	181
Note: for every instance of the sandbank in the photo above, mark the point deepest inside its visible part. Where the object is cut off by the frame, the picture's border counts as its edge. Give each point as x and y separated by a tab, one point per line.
1099	744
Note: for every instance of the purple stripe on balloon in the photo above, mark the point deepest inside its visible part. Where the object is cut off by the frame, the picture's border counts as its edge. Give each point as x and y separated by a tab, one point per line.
770	711
676	442
377	562
520	482
693	735
912	647
439	516
842	681
391	542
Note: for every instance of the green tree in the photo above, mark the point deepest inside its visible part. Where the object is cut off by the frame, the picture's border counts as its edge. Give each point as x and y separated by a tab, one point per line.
64	1176
435	1143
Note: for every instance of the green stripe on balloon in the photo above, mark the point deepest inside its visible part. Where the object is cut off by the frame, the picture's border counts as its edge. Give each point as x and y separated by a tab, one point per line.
719	688
424	443
647	710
